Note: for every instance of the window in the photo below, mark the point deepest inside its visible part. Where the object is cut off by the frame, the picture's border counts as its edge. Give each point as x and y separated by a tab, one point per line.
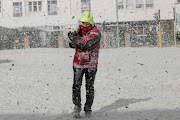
30	6
139	4
129	4
56	27
149	3
40	5
85	5
52	7
120	4
0	6
35	6
17	9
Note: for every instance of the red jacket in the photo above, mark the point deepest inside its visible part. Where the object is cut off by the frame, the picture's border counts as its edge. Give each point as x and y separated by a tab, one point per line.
87	48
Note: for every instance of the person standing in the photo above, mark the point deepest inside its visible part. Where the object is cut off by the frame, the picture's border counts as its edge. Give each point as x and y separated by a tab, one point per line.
86	41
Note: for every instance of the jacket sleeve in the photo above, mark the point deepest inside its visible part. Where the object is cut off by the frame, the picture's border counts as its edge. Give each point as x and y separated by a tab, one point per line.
86	42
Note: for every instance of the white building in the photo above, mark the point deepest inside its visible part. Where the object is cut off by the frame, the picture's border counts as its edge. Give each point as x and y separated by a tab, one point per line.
19	13
58	15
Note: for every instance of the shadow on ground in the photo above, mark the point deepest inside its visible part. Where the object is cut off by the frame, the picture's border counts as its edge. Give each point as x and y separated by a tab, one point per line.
109	112
5	61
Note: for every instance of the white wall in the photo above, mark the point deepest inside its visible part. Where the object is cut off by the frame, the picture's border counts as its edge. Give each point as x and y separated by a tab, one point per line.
107	10
65	13
103	10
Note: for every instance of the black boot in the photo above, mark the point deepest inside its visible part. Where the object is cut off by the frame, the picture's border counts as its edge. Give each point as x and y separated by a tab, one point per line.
88	114
76	111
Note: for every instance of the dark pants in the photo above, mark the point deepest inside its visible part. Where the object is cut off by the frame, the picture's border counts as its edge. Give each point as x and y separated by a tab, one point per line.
90	74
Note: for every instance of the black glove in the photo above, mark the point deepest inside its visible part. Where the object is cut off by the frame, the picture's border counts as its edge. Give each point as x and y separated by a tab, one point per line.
71	35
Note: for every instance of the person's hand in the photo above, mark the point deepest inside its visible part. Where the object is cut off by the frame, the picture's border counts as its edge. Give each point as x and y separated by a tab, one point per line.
69	33
72	44
74	29
72	36
75	33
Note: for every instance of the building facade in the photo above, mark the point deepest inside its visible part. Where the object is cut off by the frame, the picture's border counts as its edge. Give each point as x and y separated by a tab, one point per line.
19	13
53	18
